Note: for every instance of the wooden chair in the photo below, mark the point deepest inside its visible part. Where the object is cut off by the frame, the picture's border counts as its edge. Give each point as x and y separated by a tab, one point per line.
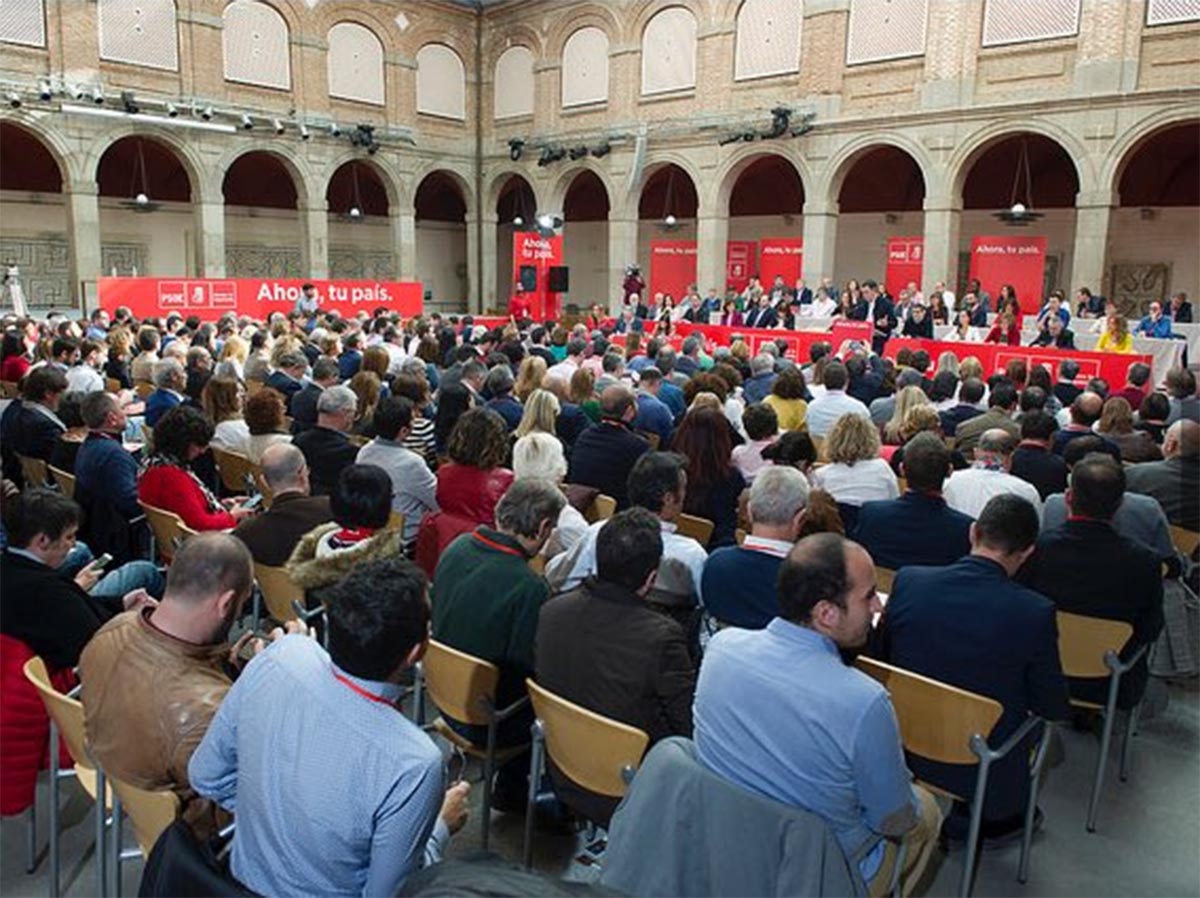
1185	540
278	591
948	725
253	386
537	564
234	468
739	536
35	471
699	529
819	445
902	483
602	508
9	389
66	720
463	687
65	481
149	813
884	578
1091	647
595	752
148	437
167	528
112	385
143	388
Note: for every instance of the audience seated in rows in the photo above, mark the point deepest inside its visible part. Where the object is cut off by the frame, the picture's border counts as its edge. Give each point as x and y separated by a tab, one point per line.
413	486
605	453
1002	401
969	491
539	455
325	445
303	405
714	482
272	535
824	411
855	473
1175	481
1032	460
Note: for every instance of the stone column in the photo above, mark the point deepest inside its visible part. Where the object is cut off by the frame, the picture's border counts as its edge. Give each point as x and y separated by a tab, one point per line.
481	262
83	229
210	239
820	240
622	249
314	249
943	222
488	237
404	243
1089	259
712	234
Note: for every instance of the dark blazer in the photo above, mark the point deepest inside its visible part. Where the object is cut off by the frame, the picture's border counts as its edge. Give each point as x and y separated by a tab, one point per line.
972	627
304	407
327	452
1065	339
158	404
1066	393
1183	315
979	316
915	529
1175	483
759	317
272	535
920	329
1087	568
952	417
603	456
1041	467
509	408
285	386
572	421
48	611
604	648
739	586
33	434
349	362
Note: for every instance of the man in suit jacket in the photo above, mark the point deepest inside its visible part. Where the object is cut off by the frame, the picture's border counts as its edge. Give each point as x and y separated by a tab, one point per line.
1085	567
272	535
919	527
970	394
1033	461
170	381
1001	403
35	427
304	401
605	453
603	647
970	626
877	309
326	448
763	314
1066	389
1174	481
287	379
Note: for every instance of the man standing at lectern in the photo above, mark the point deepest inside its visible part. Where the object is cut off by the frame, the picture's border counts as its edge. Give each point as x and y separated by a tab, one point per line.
519	307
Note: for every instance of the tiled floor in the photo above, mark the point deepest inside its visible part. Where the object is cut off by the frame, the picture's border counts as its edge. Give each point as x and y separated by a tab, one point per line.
1146	841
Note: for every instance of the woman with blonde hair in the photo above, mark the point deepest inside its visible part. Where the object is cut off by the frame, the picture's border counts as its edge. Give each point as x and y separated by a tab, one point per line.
367	388
540	415
1116	424
1116	336
529	377
582	392
948	361
221	399
907	399
540	455
855	474
233	355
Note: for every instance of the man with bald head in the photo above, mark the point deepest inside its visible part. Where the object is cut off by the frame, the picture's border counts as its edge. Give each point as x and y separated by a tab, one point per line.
273	535
969	491
605	453
779	713
1174	481
1084	411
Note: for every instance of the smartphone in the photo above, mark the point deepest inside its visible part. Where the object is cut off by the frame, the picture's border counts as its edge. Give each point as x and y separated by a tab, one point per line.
456	764
102	562
254	502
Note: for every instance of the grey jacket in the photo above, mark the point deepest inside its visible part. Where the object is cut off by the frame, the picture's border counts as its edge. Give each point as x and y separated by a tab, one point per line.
711	837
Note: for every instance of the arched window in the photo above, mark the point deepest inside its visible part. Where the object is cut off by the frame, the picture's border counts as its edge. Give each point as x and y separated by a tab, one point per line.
669	51
441	82
513	83
256	43
139	32
23	22
768	38
885	29
1018	21
585	67
355	64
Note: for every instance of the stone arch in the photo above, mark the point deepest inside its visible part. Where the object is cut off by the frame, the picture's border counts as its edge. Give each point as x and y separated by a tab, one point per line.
629	203
1123	149
557	196
843	161
741	159
593	15
959	165
517	35
69	165
201	186
308	190
643	12
496	180
390	186
462	181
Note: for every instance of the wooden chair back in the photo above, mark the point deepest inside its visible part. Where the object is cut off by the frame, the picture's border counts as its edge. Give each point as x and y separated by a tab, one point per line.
65	481
1185	540
699	529
819	445
902	484
35	471
67	713
395	521
459	684
148	437
253	386
739	536
592	750
602	508
166	527
1083	641
233	468
149	812
884	578
260	481
143	388
936	720
112	385
278	591
9	389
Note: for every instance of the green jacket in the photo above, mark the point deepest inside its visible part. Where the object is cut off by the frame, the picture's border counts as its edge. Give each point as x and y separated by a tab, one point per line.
486	601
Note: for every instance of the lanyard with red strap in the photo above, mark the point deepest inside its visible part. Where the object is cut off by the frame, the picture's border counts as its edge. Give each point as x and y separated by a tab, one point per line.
354	687
499	547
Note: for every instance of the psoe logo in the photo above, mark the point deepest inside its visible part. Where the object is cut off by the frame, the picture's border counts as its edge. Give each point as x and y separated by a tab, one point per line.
172	295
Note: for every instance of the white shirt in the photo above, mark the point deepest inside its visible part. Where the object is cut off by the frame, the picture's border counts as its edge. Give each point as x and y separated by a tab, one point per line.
948	299
864	481
232	436
679	571
84	379
968	491
570	529
776	547
819	308
564	370
396	358
824	411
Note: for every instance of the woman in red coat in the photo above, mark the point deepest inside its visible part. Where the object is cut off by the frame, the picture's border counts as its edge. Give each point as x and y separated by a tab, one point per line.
1005	330
472	482
166	480
13	361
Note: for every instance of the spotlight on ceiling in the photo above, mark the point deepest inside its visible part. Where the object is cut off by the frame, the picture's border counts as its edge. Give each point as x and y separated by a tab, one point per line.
247	122
334	130
129	102
206	113
749	136
364	136
577	153
172	110
780	119
277	125
518	221
515	146
806	124
98	95
670	221
14	99
550	155
45	90
304	132
355	212
602	150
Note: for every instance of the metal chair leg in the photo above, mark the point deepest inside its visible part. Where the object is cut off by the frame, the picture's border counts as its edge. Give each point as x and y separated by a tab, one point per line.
31	838
1110	711
489	763
1131	722
55	840
114	847
535	776
972	846
101	825
1031	807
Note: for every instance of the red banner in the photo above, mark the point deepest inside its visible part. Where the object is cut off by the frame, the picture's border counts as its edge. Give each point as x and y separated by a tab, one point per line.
780	256
904	260
1020	261
540	253
210	298
672	267
741	261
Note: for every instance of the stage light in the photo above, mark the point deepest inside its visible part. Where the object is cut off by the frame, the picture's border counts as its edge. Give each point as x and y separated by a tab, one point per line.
515	147
172	110
277	125
602	150
578	153
334	130
14	99
45	90
247	122
98	95
129	102
304	133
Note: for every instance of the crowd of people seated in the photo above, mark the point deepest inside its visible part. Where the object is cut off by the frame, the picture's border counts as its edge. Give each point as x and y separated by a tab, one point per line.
435	478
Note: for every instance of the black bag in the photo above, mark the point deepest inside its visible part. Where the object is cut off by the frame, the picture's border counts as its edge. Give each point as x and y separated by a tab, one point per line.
180	865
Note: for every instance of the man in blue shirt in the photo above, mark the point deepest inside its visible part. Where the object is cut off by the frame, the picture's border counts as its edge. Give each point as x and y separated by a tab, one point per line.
1156	324
653	415
303	730
779	713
